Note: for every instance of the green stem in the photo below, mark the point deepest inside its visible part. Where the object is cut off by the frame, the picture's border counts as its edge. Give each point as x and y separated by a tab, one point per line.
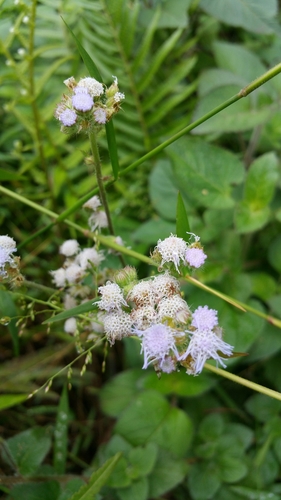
242	381
97	163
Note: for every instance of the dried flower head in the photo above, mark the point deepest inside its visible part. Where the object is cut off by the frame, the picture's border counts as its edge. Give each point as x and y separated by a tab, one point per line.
111	297
172	249
117	325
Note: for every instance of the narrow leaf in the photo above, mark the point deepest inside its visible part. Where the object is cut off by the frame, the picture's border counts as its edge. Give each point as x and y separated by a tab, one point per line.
97	480
181	220
81	309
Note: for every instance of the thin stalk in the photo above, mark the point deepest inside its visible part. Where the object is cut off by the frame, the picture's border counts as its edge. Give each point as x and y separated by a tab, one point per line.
97	163
243	381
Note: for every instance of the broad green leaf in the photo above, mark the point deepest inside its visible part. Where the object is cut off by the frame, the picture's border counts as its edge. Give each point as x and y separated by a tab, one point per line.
253	16
238	117
75	311
48	490
211	428
239	61
179	383
163	190
274	253
268	343
118	393
214	78
142	460
167	473
97	480
203	478
247	220
205	172
232	469
28	449
5	175
138	490
253	494
275	304
159	423
263	285
261	181
262	408
8	400
182	220
60	433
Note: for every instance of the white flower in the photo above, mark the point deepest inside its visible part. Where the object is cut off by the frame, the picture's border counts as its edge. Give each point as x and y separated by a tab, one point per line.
168	365
7	247
142	294
203	345
119	96
165	285
94	87
69	302
117	325
144	317
112	297
70	326
157	343
93	203
89	256
174	308
69	248
172	249
98	220
73	273
59	277
100	116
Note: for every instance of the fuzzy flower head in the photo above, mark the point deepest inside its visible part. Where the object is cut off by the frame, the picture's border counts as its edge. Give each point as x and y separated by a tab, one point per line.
94	88
204	319
203	345
117	324
172	249
158	342
7	247
69	248
67	117
88	257
195	256
173	308
93	203
164	286
98	220
82	101
59	278
142	294
70	325
111	297
100	116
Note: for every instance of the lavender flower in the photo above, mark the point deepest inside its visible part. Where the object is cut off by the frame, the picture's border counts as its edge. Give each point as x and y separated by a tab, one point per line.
204	318
82	101
100	116
157	343
195	257
67	117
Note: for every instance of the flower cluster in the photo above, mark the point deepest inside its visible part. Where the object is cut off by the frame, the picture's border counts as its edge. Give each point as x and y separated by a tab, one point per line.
154	310
175	252
89	104
9	264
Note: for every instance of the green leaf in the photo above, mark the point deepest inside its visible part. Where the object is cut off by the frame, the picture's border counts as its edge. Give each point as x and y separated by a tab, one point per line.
182	221
8	400
205	172
261	181
274	253
252	16
97	480
159	423
28	449
75	311
60	433
48	490
163	190
149	232
8	308
138	490
179	383
203	481
231	469
142	460
173	15
262	407
70	488
238	117
117	394
247	221
253	494
167	473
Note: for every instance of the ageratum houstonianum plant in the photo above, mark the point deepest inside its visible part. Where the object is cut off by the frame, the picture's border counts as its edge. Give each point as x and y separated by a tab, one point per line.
152	309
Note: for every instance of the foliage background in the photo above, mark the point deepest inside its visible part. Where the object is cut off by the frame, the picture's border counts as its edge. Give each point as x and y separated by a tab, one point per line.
181	437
